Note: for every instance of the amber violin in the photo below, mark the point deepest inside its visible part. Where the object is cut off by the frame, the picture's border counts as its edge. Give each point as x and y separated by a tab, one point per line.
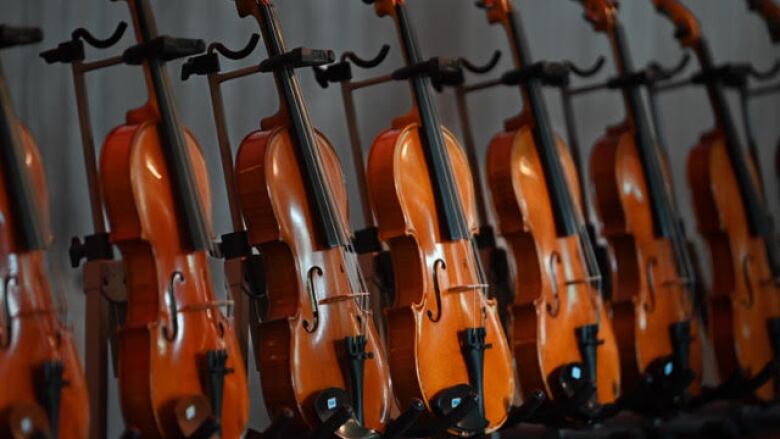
652	302
561	335
422	194
178	356
734	220
43	392
317	347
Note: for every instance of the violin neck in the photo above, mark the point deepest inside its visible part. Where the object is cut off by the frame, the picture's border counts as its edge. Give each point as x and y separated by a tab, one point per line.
567	218
192	218
330	225
664	217
26	212
450	210
758	217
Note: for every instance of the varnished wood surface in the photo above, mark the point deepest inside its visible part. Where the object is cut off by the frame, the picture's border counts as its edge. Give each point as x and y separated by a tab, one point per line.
437	292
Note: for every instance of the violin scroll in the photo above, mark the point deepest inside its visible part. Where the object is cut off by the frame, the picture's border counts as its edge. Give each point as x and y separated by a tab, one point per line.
770	12
498	11
602	14
687	28
385	7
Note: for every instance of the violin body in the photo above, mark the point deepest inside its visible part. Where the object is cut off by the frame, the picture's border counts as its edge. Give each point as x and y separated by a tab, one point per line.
438	291
648	297
31	333
743	295
546	310
312	308
172	320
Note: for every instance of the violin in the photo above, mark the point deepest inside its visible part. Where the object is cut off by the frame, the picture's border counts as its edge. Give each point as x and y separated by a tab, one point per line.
562	338
317	346
44	391
733	218
652	305
178	355
422	193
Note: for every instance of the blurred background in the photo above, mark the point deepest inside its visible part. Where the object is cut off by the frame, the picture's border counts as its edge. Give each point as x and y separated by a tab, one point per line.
44	95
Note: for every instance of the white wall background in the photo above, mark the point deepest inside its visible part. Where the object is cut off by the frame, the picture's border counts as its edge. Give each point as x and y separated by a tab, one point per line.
44	95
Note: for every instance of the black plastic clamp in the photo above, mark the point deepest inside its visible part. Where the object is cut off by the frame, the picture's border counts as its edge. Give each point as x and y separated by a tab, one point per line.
163	48
11	36
550	73
442	72
95	247
297	58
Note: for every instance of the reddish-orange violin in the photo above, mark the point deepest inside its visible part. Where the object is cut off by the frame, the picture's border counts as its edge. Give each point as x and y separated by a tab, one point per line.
562	337
317	347
42	387
443	331
178	354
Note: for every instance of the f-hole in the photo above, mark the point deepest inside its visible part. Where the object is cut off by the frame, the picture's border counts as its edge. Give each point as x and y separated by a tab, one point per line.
171	331
437	267
750	300
649	302
555	307
311	326
5	314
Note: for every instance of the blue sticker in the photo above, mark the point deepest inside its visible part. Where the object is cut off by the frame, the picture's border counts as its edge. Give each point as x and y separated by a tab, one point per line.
455	402
331	403
668	368
576	373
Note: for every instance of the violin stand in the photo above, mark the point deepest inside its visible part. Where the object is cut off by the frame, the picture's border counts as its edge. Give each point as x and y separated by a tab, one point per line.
103	277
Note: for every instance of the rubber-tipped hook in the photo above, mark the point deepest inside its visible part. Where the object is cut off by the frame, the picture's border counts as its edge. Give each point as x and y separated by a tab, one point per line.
670	72
763	75
484	68
235	54
83	34
367	63
586	72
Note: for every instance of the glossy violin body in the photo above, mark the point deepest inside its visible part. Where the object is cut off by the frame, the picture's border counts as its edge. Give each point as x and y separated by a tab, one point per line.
318	334
44	391
652	300
733	219
176	344
649	295
441	310
561	333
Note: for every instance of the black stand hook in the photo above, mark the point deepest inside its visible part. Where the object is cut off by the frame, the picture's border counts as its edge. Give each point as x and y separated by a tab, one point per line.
482	69
209	63
342	70
72	51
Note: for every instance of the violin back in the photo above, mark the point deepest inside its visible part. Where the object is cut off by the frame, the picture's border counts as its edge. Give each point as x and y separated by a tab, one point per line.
438	292
172	320
31	333
546	312
741	297
312	307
